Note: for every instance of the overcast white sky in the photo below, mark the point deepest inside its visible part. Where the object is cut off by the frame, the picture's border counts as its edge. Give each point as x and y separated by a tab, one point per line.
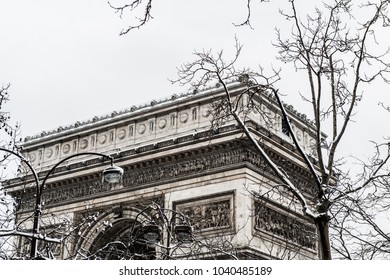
66	62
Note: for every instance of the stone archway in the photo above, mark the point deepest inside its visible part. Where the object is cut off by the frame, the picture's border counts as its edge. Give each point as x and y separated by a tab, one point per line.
114	236
114	243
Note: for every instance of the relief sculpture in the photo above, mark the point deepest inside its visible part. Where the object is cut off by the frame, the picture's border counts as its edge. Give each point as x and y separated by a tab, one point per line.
284	226
214	215
170	171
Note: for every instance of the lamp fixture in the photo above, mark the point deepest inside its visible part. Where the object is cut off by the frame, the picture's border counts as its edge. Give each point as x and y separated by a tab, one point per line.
152	233
183	233
112	174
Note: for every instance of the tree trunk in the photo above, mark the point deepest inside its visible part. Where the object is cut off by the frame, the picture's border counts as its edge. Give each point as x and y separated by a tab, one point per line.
323	228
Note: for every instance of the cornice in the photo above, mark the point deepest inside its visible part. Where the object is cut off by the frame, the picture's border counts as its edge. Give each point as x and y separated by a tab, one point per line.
161	147
150	108
134	111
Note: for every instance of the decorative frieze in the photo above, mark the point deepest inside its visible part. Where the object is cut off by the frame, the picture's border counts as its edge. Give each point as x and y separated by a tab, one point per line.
186	167
72	191
209	213
285	226
207	162
154	172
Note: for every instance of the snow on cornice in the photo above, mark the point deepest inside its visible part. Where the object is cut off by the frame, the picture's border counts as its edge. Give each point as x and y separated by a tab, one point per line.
116	115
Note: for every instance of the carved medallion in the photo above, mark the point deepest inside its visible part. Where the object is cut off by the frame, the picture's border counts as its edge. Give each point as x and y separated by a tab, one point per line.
141	129
162	123
32	157
49	152
206	112
84	144
183	117
66	148
102	139
121	134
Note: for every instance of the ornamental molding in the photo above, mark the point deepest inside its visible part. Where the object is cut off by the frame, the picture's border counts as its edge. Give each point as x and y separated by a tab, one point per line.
191	164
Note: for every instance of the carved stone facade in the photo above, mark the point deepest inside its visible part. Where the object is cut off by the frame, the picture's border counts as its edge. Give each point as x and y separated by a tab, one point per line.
285	226
209	213
172	159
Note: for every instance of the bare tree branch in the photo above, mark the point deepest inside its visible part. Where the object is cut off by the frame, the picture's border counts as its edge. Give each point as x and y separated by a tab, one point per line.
133	6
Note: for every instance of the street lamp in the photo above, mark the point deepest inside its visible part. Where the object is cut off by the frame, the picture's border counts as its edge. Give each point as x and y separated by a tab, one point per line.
112	174
149	232
183	233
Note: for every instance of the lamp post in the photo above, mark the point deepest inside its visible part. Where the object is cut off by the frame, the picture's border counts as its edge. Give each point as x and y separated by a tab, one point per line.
112	174
149	233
